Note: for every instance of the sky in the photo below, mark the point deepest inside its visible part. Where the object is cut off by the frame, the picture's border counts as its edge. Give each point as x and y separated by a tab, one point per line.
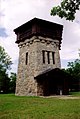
14	13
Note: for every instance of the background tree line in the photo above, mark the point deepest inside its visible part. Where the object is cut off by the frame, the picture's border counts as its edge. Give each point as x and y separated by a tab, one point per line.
73	72
7	83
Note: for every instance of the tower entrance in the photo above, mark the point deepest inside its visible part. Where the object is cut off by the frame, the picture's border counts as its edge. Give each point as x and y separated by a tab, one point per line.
52	82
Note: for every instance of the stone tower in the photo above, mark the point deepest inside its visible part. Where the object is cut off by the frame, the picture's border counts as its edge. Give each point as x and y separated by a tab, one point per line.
39	44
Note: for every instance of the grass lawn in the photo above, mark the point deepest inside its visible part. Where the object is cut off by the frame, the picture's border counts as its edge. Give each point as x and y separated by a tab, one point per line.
75	93
16	107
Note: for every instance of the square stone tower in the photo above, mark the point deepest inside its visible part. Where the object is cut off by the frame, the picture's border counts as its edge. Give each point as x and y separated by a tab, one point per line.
39	44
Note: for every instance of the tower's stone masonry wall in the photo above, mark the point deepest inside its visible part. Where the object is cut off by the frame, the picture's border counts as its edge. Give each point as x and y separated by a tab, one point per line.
26	84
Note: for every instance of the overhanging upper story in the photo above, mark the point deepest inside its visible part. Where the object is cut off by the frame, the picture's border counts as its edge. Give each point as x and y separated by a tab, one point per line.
39	27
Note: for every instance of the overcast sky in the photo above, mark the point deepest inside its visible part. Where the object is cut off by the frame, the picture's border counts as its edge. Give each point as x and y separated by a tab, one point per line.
14	13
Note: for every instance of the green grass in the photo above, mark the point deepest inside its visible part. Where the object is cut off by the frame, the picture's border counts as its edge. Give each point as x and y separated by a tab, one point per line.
15	107
75	93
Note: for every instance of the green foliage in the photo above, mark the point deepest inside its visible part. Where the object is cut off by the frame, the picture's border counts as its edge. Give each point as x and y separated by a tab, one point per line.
6	84
74	71
66	9
16	107
74	68
12	83
5	60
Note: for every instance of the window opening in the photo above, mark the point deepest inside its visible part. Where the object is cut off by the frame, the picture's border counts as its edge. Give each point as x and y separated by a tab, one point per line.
43	53
26	58
53	58
48	56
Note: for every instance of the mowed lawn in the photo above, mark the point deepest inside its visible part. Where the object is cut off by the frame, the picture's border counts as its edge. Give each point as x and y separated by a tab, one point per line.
16	107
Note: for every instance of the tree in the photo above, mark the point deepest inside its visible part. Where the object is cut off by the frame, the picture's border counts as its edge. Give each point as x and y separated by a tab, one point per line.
67	9
74	72
5	60
5	63
4	82
12	83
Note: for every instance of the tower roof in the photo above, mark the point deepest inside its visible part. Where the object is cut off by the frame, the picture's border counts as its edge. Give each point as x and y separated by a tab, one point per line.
39	27
36	20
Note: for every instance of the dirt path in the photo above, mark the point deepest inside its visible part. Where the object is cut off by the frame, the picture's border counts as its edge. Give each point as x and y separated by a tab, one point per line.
63	97
69	97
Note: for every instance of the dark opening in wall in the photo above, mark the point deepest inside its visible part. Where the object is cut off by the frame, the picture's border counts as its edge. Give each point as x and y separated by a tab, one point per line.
53	57
48	56
26	58
43	53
